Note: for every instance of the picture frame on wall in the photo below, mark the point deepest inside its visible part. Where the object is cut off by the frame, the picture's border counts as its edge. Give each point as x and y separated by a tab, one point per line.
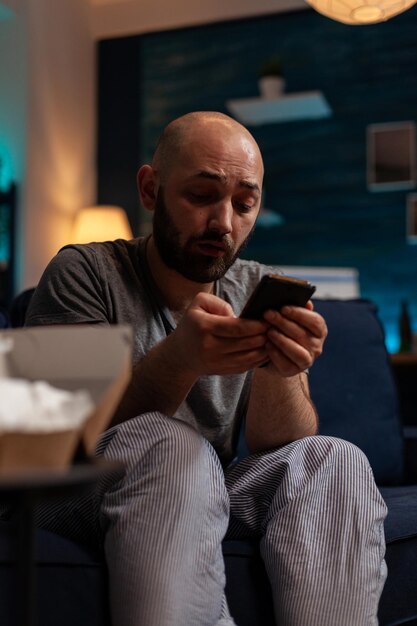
411	218
391	156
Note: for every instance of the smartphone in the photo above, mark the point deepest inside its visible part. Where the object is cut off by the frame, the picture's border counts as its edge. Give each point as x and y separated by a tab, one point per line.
275	291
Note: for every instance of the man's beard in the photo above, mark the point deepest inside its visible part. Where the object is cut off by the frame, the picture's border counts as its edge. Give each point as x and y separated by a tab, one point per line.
194	266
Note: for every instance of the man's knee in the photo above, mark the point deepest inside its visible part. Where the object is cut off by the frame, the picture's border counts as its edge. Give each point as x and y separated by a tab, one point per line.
321	458
168	454
172	476
157	435
345	466
333	450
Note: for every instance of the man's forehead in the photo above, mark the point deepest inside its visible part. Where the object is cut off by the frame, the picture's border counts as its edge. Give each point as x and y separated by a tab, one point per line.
222	177
218	137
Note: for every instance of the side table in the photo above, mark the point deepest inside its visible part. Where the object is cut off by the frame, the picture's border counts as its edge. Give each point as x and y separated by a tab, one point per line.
24	489
404	367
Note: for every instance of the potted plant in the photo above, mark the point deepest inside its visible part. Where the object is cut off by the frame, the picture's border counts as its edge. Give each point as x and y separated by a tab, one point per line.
271	80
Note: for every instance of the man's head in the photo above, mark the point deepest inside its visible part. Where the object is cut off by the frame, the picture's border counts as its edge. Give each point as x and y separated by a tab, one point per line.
204	186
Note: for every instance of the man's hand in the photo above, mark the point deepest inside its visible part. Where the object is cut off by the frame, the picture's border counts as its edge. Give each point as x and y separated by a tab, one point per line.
280	408
295	339
210	339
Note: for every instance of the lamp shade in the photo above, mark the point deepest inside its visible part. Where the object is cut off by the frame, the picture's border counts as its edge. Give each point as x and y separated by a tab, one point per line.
100	223
360	11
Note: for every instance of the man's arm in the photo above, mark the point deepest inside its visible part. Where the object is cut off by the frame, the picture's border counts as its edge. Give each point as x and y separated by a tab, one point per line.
160	382
280	409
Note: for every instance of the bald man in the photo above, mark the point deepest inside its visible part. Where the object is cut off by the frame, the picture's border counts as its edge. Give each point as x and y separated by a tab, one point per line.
196	378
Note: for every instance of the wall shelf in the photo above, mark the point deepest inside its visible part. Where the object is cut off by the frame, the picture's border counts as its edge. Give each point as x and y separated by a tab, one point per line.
287	108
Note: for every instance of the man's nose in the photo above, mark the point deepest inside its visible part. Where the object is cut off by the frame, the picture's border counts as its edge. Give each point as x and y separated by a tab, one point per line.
221	217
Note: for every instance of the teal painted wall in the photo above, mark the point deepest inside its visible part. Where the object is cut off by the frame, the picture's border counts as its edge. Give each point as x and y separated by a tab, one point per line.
13	130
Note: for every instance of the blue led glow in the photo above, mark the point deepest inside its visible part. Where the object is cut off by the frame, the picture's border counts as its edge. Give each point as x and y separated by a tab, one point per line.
6	173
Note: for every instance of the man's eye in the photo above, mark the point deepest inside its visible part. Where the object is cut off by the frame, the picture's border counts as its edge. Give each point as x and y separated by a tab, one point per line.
244	208
199	197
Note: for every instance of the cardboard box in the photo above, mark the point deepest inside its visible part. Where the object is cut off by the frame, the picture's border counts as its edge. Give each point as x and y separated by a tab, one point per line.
20	451
95	358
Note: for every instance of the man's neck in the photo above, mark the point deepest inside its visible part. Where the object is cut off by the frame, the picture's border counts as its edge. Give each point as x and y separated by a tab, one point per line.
177	292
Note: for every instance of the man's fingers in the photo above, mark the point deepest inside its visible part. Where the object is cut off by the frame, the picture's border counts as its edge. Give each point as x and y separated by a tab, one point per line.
217	317
229	346
238	328
310	320
296	337
285	347
243	361
228	327
298	322
212	304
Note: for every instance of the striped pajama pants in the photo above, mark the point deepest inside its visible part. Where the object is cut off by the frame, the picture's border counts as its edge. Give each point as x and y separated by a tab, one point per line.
313	503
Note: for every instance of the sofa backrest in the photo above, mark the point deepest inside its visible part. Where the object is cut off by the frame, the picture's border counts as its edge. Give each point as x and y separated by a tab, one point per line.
19	307
353	388
4	318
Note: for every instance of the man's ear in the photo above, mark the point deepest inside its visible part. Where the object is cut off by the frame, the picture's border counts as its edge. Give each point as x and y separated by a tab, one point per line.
147	186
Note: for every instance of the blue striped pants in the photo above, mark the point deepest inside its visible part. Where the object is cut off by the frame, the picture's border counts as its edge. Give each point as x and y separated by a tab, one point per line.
313	503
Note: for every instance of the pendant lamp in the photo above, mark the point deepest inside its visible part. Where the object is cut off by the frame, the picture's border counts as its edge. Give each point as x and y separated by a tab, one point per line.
360	11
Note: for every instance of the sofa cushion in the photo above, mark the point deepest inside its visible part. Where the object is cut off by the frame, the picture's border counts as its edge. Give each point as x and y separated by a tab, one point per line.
4	318
353	388
248	590
401	522
399	599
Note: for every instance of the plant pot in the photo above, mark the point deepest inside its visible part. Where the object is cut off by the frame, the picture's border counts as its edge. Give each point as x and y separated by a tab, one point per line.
271	86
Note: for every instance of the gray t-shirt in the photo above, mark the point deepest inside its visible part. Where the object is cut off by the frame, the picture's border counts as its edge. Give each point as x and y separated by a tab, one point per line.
110	283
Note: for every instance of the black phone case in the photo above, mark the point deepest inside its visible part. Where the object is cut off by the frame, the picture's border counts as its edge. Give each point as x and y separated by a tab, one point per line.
274	292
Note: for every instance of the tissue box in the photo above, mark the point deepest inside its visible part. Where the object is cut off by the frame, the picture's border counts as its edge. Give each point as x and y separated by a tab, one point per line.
95	358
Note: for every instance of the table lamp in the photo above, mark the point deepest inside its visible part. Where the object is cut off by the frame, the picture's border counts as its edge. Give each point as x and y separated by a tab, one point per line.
100	223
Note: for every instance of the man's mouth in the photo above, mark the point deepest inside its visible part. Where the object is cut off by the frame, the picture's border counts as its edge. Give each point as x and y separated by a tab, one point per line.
212	248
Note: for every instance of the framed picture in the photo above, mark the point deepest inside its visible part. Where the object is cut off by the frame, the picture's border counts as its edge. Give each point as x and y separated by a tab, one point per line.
391	156
411	218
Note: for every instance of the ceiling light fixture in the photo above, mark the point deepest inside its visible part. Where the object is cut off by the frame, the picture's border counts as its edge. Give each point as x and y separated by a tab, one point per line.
360	11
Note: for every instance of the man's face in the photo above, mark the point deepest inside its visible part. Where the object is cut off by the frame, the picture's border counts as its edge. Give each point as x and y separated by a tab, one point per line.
206	210
185	258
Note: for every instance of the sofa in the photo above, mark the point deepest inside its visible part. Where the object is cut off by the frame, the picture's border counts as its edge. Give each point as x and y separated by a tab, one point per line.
355	395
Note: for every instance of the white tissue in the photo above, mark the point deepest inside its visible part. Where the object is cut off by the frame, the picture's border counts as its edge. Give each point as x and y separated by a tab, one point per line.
39	407
6	345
